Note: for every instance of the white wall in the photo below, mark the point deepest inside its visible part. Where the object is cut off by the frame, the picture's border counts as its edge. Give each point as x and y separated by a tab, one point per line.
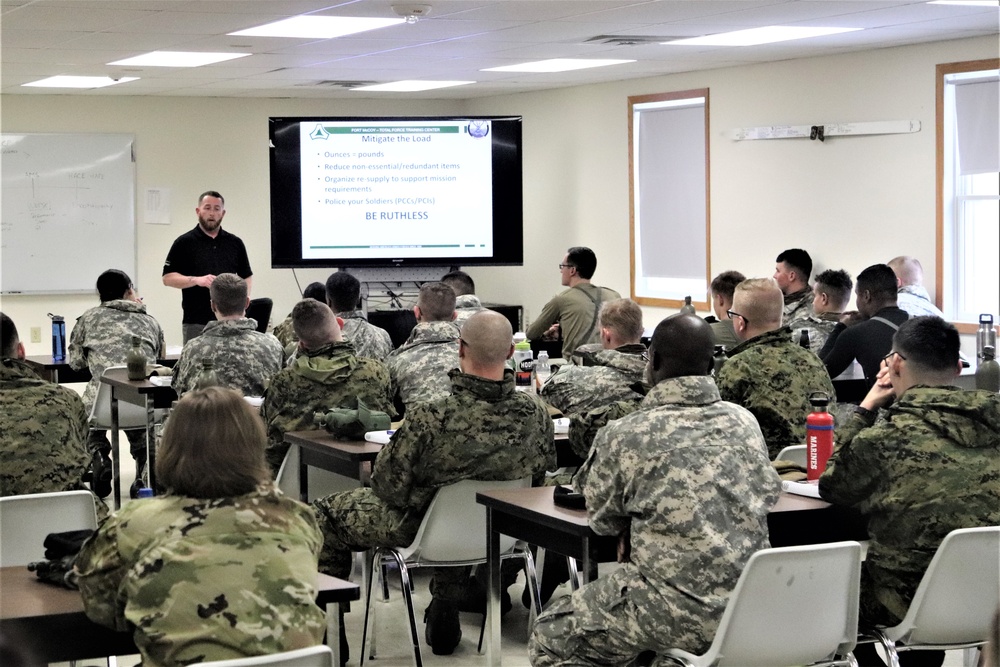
850	201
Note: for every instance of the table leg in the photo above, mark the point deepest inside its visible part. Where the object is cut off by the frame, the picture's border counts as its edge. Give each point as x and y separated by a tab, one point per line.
303	478
150	443
115	457
585	561
493	591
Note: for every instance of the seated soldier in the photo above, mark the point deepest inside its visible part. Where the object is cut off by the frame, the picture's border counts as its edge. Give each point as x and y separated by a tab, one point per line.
931	467
43	426
245	359
326	374
101	338
484	430
831	293
686	485
911	295
608	375
419	367
722	300
285	332
791	271
868	337
343	295
466	301
767	373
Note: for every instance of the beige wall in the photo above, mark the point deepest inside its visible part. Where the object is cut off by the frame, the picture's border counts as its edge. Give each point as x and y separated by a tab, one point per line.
850	201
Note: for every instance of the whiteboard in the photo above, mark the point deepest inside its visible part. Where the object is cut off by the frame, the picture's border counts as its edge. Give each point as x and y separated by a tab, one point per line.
68	211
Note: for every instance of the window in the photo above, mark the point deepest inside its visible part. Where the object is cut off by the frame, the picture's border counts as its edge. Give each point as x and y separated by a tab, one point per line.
668	187
968	149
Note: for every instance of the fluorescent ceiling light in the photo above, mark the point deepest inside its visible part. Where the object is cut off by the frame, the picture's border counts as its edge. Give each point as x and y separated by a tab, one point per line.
178	58
967	3
754	36
317	27
556	65
67	81
411	86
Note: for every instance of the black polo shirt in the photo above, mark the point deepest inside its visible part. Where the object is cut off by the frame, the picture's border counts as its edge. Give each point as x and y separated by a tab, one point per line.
197	254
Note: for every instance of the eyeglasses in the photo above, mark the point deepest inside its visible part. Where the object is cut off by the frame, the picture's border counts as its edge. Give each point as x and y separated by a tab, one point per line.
733	314
885	359
566	266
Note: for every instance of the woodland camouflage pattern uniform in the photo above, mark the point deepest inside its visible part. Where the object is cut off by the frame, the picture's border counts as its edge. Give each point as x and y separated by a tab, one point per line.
772	377
798	305
604	377
245	359
466	306
818	328
369	340
102	337
931	467
419	367
329	377
484	430
689	475
583	427
284	332
43	428
206	579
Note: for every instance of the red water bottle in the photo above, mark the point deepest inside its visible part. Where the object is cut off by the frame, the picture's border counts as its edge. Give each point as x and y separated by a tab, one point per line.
819	436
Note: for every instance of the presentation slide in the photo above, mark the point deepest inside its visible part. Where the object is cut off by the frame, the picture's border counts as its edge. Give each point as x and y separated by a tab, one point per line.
409	188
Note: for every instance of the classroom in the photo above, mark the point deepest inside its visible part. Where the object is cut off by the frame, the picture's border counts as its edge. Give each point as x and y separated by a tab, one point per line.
851	202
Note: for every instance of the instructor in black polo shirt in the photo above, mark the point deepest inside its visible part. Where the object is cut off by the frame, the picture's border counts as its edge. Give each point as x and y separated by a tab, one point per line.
198	256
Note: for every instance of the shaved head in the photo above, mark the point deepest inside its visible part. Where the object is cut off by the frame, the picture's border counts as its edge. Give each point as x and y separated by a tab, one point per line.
315	324
682	345
487	338
907	269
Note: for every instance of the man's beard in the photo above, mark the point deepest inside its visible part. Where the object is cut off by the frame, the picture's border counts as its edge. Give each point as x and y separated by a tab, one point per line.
209	225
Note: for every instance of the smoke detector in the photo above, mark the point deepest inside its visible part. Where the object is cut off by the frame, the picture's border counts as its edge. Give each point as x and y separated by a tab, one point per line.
412	13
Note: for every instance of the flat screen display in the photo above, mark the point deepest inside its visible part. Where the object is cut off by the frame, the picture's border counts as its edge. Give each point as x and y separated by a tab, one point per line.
396	191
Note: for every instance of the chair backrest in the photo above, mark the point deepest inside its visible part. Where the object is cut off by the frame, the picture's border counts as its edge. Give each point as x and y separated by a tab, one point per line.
26	520
792	606
321	482
260	310
794	453
314	656
454	526
959	592
129	414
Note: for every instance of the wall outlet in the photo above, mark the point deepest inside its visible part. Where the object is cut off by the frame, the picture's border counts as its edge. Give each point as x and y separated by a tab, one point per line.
36	334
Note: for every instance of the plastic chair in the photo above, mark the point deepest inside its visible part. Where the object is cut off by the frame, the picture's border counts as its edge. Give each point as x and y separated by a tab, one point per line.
791	606
322	483
956	598
26	520
448	537
260	310
314	656
794	453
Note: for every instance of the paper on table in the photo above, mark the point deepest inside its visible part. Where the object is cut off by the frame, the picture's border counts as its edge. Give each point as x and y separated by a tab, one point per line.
810	489
379	437
161	380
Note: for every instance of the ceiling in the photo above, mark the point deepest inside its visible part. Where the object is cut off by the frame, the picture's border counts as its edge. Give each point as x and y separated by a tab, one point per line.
458	38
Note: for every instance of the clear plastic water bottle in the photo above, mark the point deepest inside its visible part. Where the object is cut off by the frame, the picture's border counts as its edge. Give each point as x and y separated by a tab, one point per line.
542	369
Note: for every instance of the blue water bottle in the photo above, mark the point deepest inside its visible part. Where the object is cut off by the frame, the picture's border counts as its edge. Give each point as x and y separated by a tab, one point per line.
58	337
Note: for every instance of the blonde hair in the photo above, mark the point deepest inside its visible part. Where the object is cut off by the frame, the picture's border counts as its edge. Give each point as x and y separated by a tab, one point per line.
760	301
213	446
624	318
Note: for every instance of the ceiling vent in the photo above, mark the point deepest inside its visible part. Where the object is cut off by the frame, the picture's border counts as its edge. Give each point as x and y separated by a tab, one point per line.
334	83
629	40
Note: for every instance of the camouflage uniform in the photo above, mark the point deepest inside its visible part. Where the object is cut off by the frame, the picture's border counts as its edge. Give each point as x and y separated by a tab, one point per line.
285	333
772	377
200	580
43	428
245	359
931	467
798	305
688	475
818	328
583	426
604	377
329	377
483	430
466	306
369	340
574	309
419	367
102	337
915	300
